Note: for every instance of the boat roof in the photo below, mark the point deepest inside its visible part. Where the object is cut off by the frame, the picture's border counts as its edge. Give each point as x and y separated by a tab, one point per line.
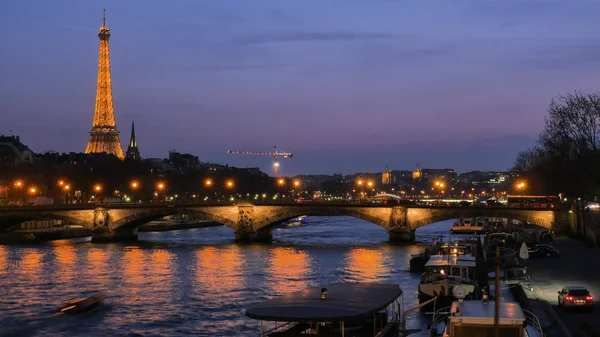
344	301
451	260
477	312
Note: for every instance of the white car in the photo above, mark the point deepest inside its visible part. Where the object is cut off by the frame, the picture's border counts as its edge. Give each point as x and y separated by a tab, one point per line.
575	296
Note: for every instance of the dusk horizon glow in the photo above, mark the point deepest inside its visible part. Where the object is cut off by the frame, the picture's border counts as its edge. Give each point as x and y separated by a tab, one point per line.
346	86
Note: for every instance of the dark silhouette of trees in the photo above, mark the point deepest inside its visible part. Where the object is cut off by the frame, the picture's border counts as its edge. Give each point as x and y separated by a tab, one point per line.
566	158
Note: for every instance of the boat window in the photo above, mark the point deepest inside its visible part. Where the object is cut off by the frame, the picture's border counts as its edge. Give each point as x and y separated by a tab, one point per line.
485	331
456	271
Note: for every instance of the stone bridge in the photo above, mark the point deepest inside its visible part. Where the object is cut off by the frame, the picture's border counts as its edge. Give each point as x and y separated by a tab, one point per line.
255	222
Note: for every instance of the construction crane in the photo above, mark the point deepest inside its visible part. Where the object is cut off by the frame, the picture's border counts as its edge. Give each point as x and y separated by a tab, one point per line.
276	154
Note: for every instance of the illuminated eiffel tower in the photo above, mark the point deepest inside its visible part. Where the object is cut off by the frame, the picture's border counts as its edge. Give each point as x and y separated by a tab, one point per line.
104	136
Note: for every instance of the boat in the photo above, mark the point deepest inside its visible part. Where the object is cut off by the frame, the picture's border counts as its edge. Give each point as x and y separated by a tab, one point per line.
459	247
85	302
442	274
295	222
418	261
466	225
342	309
476	317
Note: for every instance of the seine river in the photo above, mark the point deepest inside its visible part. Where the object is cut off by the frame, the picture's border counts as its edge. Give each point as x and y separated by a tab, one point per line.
194	282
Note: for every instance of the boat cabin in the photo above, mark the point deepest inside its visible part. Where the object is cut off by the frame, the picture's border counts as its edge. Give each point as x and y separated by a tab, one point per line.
476	318
451	265
340	310
459	248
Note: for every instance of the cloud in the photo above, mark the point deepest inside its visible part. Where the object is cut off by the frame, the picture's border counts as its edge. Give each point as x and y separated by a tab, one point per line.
566	56
256	66
309	36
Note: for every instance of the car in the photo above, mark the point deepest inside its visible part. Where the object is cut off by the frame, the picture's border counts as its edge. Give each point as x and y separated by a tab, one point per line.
575	296
543	250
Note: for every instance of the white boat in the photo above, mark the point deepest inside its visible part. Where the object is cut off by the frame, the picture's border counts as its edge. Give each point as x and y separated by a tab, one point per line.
295	222
476	318
467	225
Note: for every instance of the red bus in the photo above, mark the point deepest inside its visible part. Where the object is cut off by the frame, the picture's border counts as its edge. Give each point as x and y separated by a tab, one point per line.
532	201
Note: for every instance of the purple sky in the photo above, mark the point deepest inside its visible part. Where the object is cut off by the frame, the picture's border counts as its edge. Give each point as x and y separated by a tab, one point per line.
345	85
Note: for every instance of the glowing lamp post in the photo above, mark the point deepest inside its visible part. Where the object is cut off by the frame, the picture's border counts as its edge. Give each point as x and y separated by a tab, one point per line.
134	186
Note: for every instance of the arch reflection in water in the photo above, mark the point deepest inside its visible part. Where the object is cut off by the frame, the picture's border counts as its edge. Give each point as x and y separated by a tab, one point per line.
288	271
133	267
3	260
219	271
160	269
65	259
366	265
97	269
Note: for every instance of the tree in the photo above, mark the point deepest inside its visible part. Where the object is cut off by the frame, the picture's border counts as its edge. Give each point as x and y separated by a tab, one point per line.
567	156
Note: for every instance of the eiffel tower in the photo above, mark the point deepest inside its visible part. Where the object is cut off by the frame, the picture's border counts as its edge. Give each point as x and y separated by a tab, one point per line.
104	136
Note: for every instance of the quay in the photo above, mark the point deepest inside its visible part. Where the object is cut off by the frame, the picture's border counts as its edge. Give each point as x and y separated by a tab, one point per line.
579	264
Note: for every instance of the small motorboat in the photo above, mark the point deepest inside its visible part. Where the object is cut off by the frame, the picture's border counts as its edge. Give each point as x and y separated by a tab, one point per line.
86	302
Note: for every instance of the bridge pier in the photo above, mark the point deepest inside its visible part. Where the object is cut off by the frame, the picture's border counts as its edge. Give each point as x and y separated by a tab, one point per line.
123	234
261	235
402	237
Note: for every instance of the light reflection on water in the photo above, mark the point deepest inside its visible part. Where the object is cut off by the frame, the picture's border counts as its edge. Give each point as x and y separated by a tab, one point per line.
194	281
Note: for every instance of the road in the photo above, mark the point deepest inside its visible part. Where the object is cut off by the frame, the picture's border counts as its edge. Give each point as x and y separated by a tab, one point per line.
578	265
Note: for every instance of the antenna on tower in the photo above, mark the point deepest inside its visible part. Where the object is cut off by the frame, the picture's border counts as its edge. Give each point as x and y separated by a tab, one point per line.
104	17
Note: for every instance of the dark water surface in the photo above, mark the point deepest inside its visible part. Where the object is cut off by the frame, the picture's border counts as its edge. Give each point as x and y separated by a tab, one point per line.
196	281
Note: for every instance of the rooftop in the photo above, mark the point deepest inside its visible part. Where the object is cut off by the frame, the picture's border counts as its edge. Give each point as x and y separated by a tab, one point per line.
477	312
345	301
451	260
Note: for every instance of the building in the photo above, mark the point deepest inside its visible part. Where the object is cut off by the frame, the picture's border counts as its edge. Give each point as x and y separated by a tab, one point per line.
446	174
486	177
182	160
394	177
104	136
13	152
133	153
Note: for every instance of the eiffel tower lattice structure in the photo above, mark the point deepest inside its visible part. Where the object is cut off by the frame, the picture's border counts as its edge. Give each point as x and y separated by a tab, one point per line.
104	136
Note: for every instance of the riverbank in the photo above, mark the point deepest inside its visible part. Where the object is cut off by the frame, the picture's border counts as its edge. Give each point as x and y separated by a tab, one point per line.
579	264
161	226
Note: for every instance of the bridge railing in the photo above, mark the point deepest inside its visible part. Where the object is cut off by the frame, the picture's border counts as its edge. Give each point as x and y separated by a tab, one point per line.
258	202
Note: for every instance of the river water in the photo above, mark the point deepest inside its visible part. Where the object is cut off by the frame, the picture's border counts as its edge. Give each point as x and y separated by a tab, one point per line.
196	281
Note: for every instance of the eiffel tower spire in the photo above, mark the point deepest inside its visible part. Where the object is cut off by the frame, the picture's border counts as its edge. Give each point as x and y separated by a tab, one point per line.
104	136
132	151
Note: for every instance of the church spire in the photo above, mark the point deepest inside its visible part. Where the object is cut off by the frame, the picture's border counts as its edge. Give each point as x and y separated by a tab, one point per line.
132	142
132	151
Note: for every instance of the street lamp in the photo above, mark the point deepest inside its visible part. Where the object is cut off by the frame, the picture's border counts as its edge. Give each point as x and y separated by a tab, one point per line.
134	186
208	182
229	183
370	183
32	190
97	187
18	184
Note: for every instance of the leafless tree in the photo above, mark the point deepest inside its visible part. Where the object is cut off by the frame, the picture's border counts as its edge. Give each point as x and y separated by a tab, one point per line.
572	126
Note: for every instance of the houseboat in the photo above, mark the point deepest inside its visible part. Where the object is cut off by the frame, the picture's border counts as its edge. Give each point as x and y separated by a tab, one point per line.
442	274
467	225
342	309
476	318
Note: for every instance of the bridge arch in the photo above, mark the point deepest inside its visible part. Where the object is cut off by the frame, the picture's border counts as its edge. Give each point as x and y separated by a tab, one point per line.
380	218
140	218
8	222
419	217
387	195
